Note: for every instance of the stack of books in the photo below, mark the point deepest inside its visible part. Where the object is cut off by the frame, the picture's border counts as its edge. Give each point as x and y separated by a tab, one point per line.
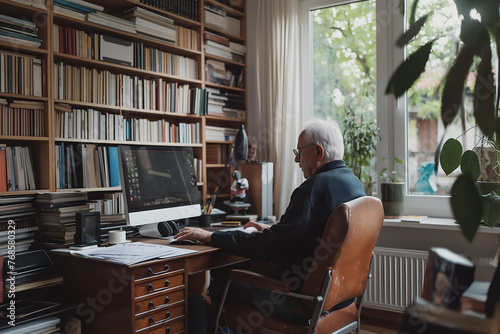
216	72
216	49
58	216
225	104
217	18
220	133
111	21
238	52
77	9
33	3
152	24
18	223
19	31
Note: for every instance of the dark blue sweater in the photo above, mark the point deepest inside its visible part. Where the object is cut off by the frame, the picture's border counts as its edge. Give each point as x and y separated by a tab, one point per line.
290	244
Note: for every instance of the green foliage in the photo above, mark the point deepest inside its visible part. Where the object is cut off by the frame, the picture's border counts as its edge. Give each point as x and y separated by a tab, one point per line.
360	141
344	58
391	176
480	30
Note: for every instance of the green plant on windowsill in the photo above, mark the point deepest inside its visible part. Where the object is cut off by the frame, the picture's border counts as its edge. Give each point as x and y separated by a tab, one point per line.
392	176
392	188
360	140
479	32
478	183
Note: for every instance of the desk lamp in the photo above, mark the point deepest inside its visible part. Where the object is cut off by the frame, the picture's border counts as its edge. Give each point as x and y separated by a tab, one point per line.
239	150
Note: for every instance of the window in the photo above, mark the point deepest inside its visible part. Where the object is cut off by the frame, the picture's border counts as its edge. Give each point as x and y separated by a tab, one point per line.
352	53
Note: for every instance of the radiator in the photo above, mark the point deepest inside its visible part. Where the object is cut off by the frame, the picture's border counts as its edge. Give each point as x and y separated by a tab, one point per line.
398	277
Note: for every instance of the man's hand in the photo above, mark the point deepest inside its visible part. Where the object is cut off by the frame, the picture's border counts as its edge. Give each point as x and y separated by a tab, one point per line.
258	226
194	233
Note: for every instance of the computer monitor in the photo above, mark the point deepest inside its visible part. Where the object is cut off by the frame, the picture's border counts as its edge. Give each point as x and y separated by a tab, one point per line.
158	183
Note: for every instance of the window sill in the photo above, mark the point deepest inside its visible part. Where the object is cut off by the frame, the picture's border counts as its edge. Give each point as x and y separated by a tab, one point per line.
430	223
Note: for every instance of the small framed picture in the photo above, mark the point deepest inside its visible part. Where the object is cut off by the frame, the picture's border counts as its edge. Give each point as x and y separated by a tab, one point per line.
88	228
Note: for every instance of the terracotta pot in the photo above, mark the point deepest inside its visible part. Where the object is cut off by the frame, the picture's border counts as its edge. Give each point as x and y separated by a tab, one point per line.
393	199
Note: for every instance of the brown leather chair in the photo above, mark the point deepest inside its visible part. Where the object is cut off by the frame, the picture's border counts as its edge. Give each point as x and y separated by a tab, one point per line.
350	236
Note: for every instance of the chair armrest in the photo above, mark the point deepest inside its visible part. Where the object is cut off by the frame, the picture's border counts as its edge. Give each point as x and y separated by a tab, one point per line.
259	281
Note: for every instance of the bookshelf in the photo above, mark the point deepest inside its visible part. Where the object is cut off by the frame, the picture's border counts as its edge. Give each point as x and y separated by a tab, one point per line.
160	89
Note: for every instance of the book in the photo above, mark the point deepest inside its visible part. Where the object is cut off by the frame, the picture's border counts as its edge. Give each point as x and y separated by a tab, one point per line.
114	169
413	218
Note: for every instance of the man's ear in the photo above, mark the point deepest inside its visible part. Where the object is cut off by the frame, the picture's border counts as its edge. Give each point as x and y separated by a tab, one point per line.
320	152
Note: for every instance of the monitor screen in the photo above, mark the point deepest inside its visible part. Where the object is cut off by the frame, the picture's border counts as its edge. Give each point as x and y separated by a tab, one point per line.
158	183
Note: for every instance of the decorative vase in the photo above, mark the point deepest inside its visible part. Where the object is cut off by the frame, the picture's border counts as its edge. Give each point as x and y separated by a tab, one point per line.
393	197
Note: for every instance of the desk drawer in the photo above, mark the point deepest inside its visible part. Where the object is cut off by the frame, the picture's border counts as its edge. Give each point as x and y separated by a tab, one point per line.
159	302
175	326
160	317
157	269
159	285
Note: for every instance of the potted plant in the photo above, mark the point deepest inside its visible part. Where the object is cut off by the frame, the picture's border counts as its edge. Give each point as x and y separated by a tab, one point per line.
360	141
392	188
474	58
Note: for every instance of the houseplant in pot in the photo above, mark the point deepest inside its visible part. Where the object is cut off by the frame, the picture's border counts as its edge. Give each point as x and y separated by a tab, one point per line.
480	30
360	141
392	188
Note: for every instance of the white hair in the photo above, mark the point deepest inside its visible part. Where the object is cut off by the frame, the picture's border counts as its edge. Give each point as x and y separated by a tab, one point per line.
328	135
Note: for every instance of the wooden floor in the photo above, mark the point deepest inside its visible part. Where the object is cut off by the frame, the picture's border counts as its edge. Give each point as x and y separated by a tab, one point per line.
379	322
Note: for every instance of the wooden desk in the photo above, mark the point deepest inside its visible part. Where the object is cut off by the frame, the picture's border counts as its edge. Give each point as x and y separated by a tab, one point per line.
148	297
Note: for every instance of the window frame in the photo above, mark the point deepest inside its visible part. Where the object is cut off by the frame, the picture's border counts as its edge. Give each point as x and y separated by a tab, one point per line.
391	112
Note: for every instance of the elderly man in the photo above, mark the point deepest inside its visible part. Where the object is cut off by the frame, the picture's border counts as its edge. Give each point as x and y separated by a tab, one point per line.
289	244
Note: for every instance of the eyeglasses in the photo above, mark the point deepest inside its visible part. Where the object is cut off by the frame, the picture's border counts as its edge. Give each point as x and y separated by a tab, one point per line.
296	151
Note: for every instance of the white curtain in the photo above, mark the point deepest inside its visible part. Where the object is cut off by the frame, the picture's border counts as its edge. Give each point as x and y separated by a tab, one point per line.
275	115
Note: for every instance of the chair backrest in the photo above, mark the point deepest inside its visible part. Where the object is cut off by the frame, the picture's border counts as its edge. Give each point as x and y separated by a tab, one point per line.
346	247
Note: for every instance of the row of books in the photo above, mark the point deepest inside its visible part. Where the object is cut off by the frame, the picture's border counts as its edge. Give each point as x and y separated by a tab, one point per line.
19	31
111	207
184	8
103	87
92	45
217	73
94	125
217	18
17	170
21	74
86	166
22	118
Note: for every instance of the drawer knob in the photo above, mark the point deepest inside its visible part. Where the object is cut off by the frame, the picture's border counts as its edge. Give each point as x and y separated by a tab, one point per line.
167	315
150	287
150	270
167	300
151	320
168	330
167	283
151	304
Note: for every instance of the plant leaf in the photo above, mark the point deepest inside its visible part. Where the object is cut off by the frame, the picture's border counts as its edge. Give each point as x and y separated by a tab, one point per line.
454	85
466	205
412	31
450	156
470	164
484	91
409	71
491	209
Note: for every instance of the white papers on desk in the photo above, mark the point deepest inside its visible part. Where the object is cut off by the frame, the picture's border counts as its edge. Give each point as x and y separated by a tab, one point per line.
132	253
